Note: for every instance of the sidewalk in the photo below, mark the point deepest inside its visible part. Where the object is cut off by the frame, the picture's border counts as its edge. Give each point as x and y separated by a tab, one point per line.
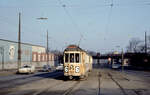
7	72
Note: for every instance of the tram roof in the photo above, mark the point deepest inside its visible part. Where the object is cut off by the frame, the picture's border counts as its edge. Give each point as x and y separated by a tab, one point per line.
73	48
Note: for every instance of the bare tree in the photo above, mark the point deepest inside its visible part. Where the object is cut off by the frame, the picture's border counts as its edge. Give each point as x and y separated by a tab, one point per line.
137	45
134	45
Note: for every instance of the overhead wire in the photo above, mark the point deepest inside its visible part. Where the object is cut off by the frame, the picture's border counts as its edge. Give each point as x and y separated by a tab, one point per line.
76	25
10	22
46	4
109	18
3	20
72	21
110	14
7	21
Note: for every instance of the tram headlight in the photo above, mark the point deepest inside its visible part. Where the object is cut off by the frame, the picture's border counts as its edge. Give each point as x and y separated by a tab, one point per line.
71	67
77	69
66	69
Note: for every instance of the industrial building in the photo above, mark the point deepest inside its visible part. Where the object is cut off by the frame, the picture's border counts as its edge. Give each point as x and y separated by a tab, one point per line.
30	55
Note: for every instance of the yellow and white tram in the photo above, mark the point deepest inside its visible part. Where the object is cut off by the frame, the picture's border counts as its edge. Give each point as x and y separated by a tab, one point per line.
77	62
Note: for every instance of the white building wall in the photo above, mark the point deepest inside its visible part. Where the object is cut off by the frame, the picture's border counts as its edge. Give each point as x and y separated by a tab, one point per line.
38	49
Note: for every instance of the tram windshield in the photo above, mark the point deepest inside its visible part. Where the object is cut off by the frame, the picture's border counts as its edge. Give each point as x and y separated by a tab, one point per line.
77	57
66	57
72	57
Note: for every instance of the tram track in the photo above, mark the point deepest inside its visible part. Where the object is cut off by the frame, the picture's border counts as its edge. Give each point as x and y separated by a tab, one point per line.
105	82
45	90
15	84
49	91
69	90
121	88
136	91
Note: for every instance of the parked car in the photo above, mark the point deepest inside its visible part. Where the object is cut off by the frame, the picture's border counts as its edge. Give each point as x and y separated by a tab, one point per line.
116	66
46	68
27	69
60	67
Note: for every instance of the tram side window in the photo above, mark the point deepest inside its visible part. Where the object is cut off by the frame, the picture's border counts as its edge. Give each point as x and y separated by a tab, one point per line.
71	57
77	57
66	57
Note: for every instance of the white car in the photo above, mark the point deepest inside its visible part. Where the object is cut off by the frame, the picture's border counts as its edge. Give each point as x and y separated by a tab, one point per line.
60	67
26	69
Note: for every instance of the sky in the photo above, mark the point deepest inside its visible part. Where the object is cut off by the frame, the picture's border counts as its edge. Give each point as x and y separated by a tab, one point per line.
95	25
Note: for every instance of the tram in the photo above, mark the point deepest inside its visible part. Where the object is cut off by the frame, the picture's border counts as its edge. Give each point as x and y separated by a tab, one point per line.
77	62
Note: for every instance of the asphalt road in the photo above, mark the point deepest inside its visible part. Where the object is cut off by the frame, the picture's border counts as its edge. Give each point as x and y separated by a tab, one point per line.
101	81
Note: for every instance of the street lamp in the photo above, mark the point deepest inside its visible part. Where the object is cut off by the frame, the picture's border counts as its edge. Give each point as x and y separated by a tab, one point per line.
42	18
45	18
122	56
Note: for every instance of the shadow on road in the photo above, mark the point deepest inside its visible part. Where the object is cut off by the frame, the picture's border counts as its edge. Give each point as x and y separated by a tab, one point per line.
52	74
58	75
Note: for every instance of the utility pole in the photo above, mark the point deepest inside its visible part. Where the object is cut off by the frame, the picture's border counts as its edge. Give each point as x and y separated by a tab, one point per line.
3	60
145	43
47	42
47	51
122	57
19	42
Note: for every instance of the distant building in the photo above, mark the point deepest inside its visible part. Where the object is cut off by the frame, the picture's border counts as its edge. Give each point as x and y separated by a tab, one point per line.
115	52
30	54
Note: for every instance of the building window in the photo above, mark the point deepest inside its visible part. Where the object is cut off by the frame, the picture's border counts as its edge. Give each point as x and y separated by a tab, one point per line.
39	57
43	57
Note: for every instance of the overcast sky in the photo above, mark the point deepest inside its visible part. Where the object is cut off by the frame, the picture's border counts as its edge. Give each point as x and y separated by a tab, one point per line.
100	24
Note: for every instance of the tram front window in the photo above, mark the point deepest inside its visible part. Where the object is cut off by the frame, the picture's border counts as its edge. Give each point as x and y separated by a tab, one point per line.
66	57
77	57
71	57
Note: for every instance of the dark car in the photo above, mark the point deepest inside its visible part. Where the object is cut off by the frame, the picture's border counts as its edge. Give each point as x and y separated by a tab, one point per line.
46	68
